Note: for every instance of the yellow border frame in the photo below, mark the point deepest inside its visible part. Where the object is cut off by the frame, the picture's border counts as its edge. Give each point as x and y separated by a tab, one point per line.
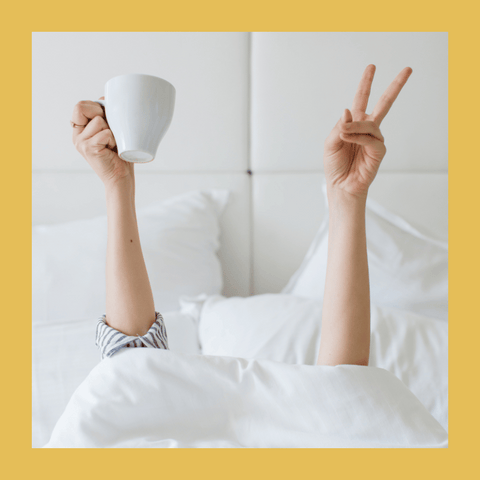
460	20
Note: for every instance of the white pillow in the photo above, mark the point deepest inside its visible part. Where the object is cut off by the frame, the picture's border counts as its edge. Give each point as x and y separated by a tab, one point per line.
179	237
287	329
407	269
63	355
277	327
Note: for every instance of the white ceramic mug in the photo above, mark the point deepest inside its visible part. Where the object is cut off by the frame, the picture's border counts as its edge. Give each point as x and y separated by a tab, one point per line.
139	110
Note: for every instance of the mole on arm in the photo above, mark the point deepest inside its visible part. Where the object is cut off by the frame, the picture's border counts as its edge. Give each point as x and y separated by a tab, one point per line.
131	240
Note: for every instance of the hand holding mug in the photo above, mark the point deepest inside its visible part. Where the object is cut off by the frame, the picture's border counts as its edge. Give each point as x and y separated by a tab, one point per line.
94	140
124	127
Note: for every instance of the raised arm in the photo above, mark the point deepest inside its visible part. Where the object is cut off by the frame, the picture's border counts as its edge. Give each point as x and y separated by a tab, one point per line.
129	304
352	155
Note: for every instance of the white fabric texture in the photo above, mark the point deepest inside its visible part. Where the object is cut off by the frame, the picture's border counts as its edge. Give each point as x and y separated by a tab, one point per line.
407	269
284	328
63	355
180	240
287	328
204	401
415	349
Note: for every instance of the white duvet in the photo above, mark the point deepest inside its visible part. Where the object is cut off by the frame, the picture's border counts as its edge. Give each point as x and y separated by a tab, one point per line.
150	398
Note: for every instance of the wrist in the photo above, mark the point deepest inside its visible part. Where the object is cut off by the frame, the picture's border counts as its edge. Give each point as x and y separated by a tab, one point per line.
121	190
340	199
124	185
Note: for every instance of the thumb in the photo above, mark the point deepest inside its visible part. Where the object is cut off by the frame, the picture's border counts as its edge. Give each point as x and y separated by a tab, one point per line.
347	116
334	141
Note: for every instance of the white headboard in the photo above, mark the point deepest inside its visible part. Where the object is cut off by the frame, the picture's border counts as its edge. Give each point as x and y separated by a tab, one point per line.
252	112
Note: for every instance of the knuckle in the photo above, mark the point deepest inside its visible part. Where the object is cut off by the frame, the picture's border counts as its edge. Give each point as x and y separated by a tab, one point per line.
97	123
100	121
77	141
81	106
104	134
81	148
78	108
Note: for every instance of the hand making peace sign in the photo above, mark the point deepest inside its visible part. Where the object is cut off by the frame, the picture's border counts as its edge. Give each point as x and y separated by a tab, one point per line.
355	147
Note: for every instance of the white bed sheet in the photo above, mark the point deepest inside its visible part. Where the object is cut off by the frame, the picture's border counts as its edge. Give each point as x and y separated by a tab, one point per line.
63	355
413	348
209	401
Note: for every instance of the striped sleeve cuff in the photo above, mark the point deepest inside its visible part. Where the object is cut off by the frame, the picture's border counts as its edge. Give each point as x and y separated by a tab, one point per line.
109	340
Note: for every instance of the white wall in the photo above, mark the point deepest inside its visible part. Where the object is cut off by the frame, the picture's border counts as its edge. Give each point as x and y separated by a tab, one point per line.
303	81
262	102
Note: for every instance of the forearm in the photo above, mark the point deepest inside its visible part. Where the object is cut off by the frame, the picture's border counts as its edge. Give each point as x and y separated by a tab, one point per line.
345	336
130	305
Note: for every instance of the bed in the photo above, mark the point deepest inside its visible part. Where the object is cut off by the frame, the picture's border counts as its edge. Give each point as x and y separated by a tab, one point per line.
250	181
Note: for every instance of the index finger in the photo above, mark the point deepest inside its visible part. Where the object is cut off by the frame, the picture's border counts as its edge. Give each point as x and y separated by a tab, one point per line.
389	96
83	112
360	100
